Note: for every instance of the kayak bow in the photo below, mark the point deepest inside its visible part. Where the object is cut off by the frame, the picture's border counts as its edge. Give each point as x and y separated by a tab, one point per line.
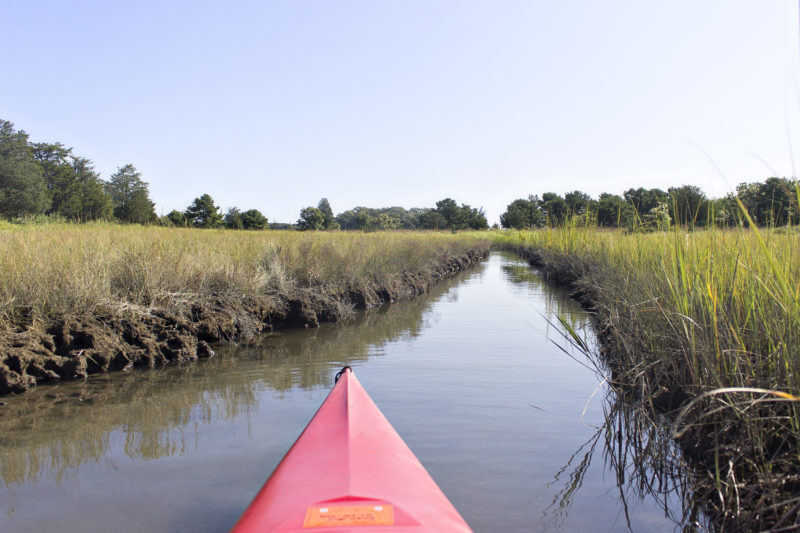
350	471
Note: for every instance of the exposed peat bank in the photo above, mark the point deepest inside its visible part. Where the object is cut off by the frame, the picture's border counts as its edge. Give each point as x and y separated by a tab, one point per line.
77	300
702	331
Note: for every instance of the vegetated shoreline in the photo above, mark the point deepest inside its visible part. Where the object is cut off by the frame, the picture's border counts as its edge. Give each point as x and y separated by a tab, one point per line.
741	445
146	324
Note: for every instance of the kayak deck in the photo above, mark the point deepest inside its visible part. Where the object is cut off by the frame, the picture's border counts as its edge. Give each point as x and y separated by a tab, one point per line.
350	471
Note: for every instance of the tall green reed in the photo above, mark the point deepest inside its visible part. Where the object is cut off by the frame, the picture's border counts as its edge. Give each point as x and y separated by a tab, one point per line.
705	320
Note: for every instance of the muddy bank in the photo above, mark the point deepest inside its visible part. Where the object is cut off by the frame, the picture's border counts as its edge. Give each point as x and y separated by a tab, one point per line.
157	405
120	337
744	475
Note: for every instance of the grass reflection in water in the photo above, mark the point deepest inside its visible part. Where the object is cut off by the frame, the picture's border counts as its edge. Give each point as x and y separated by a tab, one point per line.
637	449
641	454
157	412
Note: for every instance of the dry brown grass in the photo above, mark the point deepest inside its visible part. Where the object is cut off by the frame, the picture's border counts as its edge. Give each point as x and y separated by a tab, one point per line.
54	270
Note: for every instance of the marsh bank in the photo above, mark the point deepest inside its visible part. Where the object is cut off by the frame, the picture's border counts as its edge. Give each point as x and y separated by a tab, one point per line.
468	374
111	298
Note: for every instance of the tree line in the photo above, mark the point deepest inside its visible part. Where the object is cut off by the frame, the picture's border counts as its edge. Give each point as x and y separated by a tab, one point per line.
447	215
202	213
49	179
773	202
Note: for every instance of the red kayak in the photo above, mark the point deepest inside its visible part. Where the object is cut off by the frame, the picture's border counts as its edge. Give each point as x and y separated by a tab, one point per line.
350	471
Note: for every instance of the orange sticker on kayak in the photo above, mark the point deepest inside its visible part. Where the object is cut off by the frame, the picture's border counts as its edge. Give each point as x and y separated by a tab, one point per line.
351	515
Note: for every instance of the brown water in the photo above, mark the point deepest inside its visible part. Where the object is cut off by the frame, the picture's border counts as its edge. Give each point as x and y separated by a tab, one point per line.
520	435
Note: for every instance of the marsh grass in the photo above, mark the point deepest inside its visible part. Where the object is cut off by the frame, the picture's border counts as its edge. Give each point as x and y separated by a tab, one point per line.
55	270
704	321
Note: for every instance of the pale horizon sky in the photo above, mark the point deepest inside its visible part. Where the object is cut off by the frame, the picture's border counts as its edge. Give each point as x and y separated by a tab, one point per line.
274	105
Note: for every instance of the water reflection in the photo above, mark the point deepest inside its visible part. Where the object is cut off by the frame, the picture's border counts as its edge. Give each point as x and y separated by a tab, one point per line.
636	450
647	466
55	428
307	358
559	308
458	372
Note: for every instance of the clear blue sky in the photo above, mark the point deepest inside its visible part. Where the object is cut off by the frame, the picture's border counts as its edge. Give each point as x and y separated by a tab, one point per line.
273	105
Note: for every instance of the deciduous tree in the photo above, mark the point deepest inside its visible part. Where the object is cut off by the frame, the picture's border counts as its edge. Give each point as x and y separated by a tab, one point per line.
554	208
772	203
448	208
233	219
580	204
311	218
523	213
688	206
643	200
253	219
432	219
611	210
175	218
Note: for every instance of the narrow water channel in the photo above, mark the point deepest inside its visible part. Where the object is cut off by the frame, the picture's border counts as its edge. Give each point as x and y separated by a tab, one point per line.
513	429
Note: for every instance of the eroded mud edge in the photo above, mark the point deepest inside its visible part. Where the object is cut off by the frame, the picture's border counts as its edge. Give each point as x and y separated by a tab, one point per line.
121	338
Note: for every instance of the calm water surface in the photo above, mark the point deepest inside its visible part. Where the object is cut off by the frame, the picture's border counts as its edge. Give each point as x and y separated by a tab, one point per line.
512	428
